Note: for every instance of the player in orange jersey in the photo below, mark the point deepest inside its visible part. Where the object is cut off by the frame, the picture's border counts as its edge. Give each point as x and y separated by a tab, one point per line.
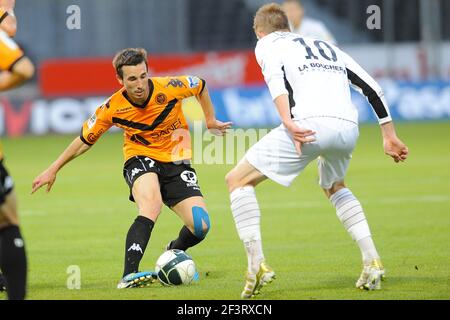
156	168
8	19
15	68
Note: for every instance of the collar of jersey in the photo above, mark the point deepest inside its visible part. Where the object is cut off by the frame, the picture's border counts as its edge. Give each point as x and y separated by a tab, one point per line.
151	86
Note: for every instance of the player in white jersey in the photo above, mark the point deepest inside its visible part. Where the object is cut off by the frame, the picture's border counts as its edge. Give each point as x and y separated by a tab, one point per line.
309	83
305	26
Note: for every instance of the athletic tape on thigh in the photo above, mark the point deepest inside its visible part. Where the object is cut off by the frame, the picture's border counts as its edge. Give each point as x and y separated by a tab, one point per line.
200	215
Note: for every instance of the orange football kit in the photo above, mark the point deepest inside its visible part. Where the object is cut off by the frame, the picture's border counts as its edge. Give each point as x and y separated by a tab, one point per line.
148	129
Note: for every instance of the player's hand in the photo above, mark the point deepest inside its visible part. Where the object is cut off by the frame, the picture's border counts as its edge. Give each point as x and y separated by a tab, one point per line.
395	148
300	135
47	177
218	128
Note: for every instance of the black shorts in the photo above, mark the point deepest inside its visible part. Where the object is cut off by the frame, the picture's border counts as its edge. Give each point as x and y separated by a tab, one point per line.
177	181
6	183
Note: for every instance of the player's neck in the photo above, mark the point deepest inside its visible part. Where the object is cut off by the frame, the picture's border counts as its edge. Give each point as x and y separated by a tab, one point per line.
140	102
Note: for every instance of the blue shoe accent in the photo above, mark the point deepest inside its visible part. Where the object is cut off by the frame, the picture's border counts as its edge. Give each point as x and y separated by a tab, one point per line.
196	277
145	274
139	279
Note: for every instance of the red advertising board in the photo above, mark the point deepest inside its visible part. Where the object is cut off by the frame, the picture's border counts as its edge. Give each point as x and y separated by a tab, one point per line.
96	76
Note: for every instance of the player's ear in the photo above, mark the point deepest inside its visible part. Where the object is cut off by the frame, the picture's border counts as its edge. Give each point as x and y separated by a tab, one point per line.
259	34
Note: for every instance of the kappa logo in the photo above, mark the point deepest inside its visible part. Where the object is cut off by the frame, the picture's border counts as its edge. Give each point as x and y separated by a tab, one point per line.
135	171
175	83
135	247
189	177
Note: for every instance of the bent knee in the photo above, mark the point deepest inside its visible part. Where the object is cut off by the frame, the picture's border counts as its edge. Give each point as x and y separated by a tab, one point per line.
233	181
335	188
201	222
149	206
229	178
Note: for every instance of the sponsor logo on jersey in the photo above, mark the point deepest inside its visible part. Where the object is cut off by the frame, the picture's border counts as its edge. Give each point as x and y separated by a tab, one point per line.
322	67
166	131
193	82
92	137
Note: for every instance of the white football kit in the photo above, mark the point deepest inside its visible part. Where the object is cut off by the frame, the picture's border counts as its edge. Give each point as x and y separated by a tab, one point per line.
313	28
316	76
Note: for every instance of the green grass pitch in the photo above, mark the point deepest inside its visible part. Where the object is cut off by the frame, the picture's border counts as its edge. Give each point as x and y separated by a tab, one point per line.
85	218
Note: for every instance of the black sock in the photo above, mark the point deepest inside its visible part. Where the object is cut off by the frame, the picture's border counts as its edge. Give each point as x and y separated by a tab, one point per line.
185	240
136	242
13	262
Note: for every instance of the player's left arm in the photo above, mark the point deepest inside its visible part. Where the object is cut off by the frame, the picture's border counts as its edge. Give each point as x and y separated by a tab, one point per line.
360	79
195	86
215	126
8	21
366	85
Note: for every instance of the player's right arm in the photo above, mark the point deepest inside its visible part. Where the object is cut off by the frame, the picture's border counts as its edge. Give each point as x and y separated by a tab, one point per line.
14	66
21	71
91	131
366	85
48	176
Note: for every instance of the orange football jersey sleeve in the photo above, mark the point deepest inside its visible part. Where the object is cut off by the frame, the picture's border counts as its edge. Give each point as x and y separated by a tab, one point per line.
96	125
3	14
10	52
184	86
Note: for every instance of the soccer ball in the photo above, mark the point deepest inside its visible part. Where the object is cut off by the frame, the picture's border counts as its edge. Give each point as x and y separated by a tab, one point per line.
175	267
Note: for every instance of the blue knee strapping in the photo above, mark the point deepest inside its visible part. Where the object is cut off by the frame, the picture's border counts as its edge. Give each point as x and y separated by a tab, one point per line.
200	215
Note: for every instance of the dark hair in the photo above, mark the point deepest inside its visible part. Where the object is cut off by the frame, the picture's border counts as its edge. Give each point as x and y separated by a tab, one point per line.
270	18
129	57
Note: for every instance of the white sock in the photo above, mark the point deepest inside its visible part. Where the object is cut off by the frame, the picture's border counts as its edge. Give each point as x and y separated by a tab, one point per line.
351	214
247	215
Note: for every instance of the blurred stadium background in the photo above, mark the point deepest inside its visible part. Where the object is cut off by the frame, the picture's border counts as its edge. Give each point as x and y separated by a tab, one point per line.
410	55
84	220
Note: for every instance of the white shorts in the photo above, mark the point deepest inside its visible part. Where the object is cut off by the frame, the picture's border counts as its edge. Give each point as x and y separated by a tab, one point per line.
275	155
